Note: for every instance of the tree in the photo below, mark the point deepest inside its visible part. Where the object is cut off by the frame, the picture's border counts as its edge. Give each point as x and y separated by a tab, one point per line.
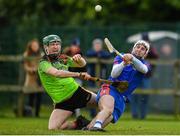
81	12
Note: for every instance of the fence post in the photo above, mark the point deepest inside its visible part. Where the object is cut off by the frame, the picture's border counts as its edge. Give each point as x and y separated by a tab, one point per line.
21	97
176	96
20	104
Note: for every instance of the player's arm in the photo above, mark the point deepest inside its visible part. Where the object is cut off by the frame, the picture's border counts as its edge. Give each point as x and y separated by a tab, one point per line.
139	65
78	61
130	59
61	73
47	68
117	67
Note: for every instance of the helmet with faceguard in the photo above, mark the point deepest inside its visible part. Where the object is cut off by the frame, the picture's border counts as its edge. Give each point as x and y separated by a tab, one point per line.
48	39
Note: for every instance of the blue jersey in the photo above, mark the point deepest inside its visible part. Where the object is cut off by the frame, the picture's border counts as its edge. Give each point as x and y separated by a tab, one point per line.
130	74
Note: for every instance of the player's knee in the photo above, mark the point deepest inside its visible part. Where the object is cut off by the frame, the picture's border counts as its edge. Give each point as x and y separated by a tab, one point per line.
108	111
53	127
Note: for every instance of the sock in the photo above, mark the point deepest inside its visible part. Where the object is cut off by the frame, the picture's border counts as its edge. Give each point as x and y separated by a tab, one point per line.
98	124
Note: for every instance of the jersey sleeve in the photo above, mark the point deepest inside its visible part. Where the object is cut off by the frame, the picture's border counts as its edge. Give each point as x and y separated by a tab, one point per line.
70	62
148	65
44	65
117	60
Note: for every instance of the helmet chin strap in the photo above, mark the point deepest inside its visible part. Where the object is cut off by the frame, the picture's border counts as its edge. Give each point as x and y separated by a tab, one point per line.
52	56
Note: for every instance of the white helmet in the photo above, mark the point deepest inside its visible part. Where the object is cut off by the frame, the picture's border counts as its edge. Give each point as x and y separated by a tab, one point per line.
144	43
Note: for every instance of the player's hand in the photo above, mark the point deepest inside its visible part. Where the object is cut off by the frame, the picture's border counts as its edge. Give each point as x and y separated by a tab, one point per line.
77	58
127	58
84	76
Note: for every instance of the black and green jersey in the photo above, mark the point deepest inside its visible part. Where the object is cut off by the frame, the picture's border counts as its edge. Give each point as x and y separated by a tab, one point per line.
58	88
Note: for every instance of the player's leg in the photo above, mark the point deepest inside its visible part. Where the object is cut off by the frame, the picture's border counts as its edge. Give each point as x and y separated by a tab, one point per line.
116	112
78	111
65	109
92	102
111	101
106	122
106	106
80	99
84	98
58	119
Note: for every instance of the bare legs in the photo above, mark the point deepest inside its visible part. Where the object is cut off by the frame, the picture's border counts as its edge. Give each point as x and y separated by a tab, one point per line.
104	117
58	119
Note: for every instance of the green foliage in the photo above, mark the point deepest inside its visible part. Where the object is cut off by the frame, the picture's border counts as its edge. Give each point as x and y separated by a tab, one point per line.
81	12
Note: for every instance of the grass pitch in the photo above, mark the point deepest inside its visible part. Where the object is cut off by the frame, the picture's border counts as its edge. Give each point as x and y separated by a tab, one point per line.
153	125
125	126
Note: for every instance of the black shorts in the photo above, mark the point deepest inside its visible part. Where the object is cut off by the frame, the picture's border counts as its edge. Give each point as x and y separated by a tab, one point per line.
78	100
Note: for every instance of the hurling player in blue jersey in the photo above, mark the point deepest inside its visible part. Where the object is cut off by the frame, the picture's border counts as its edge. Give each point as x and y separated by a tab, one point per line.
111	101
